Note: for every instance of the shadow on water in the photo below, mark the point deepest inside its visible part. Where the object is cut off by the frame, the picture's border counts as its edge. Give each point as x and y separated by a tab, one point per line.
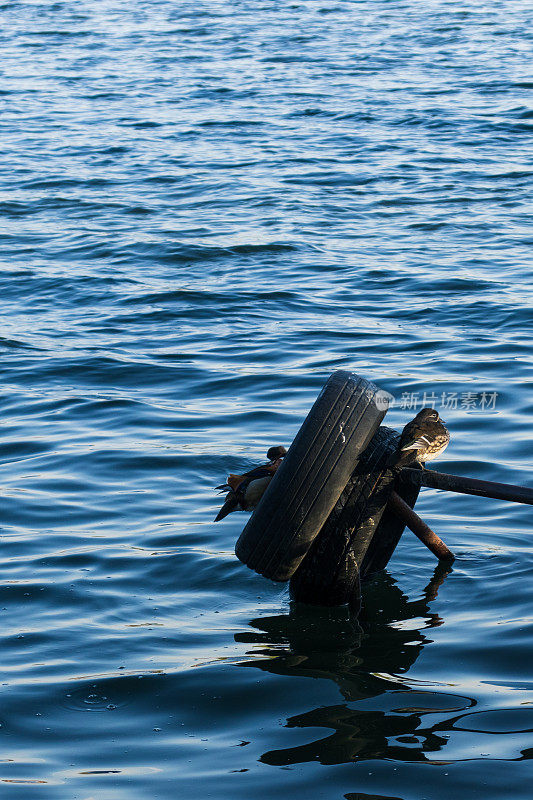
362	656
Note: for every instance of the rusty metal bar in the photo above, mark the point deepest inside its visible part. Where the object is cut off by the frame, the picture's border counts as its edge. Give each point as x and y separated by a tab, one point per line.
419	528
462	485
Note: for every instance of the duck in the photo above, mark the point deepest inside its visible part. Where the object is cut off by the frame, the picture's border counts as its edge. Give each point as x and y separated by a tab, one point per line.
422	440
245	491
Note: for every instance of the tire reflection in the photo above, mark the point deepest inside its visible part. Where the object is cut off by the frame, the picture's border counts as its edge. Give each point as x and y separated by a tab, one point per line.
366	657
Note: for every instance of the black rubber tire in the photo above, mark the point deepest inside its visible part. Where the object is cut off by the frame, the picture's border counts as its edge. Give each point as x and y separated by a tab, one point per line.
330	572
388	532
313	474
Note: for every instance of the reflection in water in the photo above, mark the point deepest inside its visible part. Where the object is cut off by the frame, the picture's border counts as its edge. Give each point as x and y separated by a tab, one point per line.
360	656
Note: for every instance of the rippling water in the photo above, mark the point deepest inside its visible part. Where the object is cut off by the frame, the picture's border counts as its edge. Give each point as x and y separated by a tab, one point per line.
206	209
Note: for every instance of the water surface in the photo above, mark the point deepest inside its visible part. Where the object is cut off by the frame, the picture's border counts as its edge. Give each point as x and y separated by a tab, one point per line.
207	208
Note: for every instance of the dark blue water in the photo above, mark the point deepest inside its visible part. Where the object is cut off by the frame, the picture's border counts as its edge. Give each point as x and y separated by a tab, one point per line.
206	208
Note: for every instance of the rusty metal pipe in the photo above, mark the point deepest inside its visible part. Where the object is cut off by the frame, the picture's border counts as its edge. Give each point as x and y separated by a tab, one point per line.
419	528
463	485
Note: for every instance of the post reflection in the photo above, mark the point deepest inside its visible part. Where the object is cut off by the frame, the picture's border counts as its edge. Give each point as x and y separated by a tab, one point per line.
366	658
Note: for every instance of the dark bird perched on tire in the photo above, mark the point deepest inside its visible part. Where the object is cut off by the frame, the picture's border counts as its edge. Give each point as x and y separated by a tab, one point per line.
245	491
422	439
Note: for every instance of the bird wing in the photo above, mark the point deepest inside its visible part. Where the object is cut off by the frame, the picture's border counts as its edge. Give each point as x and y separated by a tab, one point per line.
234	481
417	444
263	470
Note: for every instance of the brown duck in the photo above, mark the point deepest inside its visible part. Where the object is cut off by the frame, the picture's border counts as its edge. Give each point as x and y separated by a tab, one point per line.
422	439
246	490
